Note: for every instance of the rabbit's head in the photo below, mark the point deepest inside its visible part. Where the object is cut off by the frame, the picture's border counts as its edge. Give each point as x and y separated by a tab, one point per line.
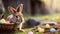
17	13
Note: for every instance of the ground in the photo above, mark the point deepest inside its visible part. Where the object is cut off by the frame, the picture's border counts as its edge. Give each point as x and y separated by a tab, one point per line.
53	17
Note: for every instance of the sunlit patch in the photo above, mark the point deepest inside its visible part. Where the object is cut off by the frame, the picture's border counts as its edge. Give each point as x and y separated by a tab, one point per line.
57	17
45	17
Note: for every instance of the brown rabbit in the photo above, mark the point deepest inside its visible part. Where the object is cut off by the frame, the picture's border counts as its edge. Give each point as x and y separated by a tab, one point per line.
16	16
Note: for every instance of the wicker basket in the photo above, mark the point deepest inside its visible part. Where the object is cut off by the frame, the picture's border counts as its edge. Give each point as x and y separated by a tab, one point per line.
6	26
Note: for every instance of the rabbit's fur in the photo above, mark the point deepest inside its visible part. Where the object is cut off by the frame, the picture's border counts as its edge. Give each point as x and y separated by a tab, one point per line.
16	15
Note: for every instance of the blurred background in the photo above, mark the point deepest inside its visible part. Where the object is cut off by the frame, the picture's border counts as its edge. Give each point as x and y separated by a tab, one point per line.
37	9
33	7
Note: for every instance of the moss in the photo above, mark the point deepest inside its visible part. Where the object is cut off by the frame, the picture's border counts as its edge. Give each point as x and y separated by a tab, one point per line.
6	13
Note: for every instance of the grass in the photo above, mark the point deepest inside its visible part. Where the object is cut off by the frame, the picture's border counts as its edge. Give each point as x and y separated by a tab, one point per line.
26	32
51	17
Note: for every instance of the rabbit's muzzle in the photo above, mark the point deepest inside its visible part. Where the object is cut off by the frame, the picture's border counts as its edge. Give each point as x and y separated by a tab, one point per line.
16	20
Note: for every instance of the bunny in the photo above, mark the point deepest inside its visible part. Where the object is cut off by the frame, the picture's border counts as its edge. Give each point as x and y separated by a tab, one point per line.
16	16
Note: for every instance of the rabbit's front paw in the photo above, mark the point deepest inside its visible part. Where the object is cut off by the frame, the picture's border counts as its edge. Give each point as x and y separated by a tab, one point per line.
21	30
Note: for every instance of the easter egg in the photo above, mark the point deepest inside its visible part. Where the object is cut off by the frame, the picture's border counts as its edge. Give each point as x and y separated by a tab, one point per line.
7	22
47	26
30	32
41	30
3	21
0	21
52	30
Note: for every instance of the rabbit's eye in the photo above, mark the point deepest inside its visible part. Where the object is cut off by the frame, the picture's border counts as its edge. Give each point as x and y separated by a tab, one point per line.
16	16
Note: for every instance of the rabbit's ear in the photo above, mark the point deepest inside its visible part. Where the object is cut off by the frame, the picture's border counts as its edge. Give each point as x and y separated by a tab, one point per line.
11	10
19	8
